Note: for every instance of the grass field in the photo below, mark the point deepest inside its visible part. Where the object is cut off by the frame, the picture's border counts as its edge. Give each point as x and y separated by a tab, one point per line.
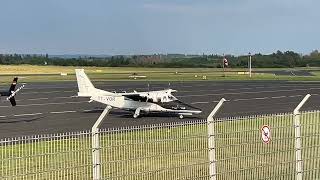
28	73
172	152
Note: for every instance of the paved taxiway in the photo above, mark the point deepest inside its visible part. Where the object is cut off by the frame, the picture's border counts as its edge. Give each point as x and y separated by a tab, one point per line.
45	108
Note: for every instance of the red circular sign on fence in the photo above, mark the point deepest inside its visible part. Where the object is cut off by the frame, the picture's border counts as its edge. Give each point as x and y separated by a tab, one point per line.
265	134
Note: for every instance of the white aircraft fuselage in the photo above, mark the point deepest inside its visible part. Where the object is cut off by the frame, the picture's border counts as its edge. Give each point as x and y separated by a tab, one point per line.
140	102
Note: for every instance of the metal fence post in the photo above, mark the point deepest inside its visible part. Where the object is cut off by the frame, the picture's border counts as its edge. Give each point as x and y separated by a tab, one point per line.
211	144
96	144
297	134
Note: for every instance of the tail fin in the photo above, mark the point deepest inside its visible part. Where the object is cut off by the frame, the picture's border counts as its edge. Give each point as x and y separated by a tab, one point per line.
13	85
86	88
11	89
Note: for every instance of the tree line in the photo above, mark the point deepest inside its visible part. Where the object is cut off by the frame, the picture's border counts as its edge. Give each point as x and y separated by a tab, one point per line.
287	59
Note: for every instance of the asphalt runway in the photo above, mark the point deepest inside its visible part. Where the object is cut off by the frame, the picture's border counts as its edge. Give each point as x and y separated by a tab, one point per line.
47	108
288	72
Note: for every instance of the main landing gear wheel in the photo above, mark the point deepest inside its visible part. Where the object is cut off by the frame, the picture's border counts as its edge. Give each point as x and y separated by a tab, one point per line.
181	116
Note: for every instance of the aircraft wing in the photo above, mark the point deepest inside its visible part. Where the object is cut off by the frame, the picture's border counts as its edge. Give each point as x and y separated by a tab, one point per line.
148	92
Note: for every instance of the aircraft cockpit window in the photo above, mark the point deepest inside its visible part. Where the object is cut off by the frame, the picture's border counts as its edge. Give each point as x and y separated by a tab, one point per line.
171	97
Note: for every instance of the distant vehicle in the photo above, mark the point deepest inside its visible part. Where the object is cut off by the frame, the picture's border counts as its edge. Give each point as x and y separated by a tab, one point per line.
12	92
138	102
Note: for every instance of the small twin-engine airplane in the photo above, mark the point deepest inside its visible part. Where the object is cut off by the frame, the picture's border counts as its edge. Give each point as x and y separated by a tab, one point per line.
138	102
12	92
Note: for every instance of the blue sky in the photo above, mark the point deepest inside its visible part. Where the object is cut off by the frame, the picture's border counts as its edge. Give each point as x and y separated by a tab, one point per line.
158	26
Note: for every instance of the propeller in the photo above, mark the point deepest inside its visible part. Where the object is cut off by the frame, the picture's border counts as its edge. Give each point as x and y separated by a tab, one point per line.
13	93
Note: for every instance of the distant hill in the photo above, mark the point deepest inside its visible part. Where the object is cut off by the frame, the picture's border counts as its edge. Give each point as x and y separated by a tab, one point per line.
76	56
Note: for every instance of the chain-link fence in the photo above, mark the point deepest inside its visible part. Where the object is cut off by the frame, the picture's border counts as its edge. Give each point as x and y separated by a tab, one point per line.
165	151
310	137
244	152
59	156
277	146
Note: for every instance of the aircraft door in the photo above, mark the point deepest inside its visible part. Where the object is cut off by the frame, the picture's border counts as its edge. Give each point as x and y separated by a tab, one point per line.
164	99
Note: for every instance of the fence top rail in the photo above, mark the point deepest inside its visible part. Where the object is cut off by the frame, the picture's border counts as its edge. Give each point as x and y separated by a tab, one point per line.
262	116
44	137
251	117
67	135
154	126
309	111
